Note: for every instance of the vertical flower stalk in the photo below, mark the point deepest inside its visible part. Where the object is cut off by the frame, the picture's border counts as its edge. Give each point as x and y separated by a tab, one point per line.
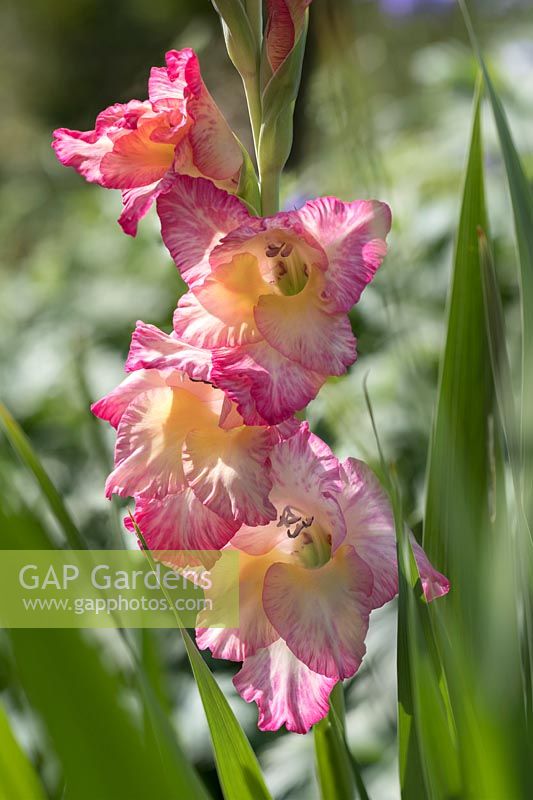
270	66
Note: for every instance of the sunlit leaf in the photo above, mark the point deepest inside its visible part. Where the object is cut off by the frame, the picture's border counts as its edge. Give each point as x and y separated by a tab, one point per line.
338	773
458	466
522	202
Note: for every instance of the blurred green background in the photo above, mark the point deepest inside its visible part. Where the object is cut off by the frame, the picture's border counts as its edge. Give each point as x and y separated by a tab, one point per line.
384	112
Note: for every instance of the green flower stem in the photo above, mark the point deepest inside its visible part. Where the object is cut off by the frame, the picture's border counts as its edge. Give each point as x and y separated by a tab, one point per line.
253	99
269	191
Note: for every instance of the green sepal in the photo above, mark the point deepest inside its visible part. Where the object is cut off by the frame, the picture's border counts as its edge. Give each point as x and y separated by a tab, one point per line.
240	39
248	190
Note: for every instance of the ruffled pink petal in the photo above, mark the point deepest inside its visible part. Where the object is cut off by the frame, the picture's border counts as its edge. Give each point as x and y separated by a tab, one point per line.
167	86
136	159
151	433
264	384
301	330
122	117
216	152
305	474
137	203
152	349
82	150
113	405
180	522
194	216
286	691
353	236
228	472
371	531
284	26
322	613
254	631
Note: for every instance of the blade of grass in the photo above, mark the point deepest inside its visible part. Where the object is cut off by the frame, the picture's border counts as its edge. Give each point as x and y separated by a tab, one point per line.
18	780
428	758
339	775
429	712
522	202
458	462
501	370
237	767
22	446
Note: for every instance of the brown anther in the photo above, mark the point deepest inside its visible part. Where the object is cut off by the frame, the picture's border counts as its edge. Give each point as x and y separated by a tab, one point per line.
281	269
305	523
286	250
272	250
287	517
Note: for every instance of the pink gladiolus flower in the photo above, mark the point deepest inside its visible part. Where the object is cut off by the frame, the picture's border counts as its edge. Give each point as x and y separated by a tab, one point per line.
308	583
135	145
182	450
269	297
284	27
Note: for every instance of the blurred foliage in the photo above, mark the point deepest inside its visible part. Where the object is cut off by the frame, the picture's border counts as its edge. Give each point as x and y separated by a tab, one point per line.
384	112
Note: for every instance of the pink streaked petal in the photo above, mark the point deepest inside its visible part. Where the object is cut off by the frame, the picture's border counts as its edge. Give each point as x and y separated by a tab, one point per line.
434	583
216	151
122	117
196	324
152	349
113	405
83	151
371	531
303	459
305	475
194	216
136	159
322	614
137	203
280	32
264	384
168	85
180	522
286	691
284	26
151	433
301	330
255	631
353	236
220	312
228	471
